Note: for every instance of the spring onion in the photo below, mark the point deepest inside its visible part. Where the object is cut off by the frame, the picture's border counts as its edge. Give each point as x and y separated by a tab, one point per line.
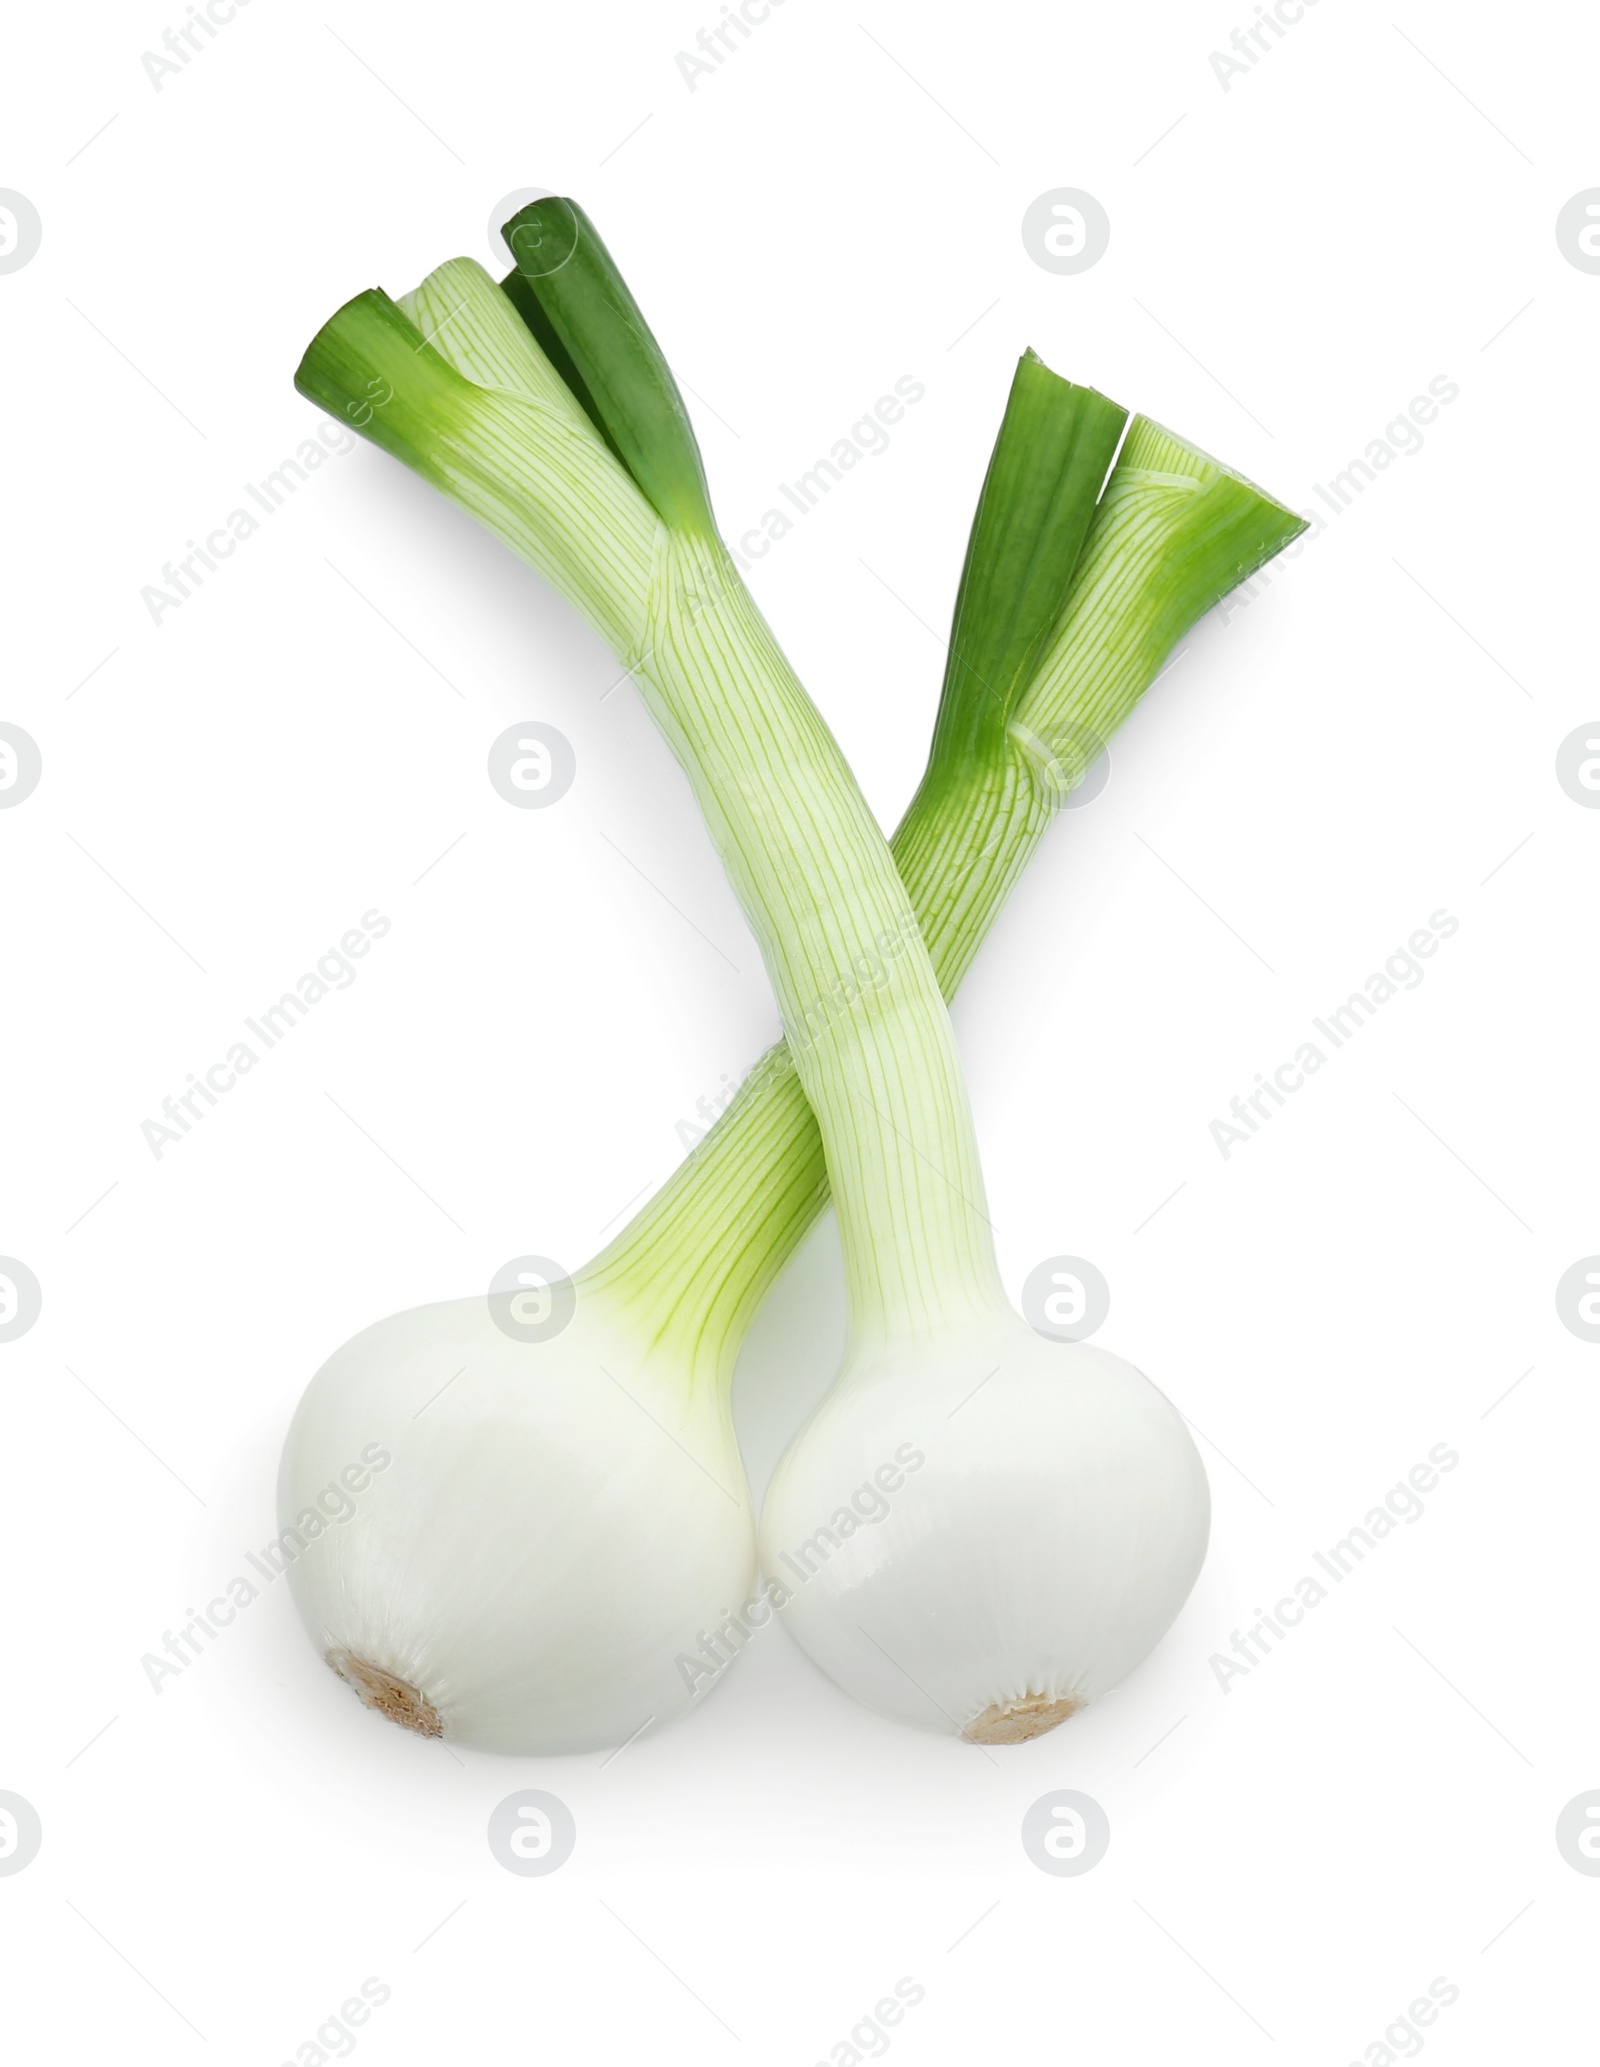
565	1519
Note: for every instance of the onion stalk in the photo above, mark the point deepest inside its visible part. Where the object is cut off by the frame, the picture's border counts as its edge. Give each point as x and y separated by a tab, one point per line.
566	1518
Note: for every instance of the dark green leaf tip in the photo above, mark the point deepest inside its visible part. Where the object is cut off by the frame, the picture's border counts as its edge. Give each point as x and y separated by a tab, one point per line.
569	292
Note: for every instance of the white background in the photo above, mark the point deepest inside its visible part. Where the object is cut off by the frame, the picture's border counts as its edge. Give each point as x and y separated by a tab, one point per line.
1292	1860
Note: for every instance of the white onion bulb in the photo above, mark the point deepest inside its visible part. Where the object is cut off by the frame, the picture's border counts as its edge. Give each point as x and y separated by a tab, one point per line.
1041	1547
559	1524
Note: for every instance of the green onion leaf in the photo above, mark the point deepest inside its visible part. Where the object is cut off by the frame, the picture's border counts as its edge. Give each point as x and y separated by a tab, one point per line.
1055	446
608	357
